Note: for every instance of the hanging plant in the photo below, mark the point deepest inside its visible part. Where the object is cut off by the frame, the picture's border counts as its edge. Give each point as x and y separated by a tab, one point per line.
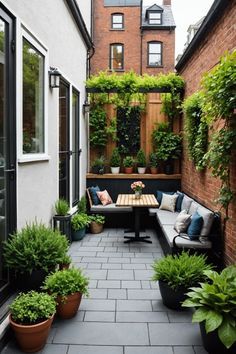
97	123
196	129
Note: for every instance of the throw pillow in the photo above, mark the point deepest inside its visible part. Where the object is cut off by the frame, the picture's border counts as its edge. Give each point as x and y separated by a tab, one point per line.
104	197
179	201
182	221
168	202
159	195
186	203
195	227
93	193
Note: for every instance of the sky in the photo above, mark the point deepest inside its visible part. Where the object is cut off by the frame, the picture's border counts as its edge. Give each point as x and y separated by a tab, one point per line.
186	12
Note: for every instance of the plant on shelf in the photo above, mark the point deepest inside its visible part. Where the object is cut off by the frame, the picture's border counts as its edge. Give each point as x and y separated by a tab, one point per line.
128	163
153	162
115	161
32	252
176	273
79	222
141	161
31	316
62	207
215	304
97	222
67	286
98	165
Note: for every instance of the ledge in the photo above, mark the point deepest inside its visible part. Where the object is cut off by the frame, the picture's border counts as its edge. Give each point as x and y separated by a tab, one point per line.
132	176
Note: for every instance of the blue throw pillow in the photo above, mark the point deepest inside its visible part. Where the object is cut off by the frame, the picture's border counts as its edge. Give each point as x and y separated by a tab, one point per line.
159	195
195	227
179	201
93	192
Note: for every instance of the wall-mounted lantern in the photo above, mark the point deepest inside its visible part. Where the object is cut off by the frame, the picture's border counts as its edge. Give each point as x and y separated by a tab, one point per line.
54	77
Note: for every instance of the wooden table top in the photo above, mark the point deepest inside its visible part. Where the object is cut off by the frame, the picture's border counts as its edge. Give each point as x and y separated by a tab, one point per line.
146	200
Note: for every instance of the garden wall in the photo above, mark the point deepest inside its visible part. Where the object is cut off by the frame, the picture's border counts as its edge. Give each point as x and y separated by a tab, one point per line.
221	36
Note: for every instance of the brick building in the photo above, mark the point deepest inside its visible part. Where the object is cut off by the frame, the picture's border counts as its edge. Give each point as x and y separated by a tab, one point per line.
128	35
215	36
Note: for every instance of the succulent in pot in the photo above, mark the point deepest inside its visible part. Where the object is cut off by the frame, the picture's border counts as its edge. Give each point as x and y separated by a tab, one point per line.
67	286
31	316
32	252
128	163
177	273
141	161
215	304
79	222
97	222
115	161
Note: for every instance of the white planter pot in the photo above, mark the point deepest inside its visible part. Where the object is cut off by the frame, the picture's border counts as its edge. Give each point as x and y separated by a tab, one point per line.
115	170
141	169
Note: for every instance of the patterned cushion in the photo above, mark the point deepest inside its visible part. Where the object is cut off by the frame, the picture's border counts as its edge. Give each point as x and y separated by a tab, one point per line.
168	202
104	197
186	203
182	221
159	195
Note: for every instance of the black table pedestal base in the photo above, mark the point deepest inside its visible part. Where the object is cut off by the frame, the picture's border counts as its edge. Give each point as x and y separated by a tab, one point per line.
137	239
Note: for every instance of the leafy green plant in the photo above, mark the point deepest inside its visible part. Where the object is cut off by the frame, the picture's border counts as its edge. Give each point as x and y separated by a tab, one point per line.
141	158
82	205
182	270
100	219
79	221
128	161
115	160
166	143
66	282
215	301
32	308
153	161
99	162
66	259
196	129
35	247
62	207
97	123
111	129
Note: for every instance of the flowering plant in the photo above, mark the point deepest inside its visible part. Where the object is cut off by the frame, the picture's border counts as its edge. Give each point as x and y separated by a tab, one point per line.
137	186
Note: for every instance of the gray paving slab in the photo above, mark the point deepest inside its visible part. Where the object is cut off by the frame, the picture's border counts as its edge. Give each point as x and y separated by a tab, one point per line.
92	283
97	305
103	334
148	350
170	333
131	284
143	274
134	266
91	248
95	259
98	294
110	249
157	305
145	284
12	348
109	284
94	265
111	266
200	350
84	254
99	316
142	260
117	294
146	316
119	260
180	316
120	275
92	349
183	350
134	305
79	317
96	274
144	294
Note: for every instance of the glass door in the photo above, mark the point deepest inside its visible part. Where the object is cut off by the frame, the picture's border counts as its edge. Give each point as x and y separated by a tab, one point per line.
7	141
75	147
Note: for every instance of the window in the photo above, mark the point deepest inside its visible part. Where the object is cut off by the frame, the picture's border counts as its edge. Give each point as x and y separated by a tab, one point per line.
117	21
154	18
117	56
155	54
33	99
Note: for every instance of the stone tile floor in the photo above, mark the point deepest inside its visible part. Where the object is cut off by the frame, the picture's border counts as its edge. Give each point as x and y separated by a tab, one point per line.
124	313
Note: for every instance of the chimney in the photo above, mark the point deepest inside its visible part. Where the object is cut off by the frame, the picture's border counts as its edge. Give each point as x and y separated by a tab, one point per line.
167	2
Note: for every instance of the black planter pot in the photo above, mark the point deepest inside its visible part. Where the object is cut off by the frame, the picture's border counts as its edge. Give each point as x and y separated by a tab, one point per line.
212	343
99	170
27	281
170	298
169	168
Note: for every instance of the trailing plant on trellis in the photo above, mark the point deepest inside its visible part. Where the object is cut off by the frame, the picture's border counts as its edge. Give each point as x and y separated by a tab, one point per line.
196	129
219	103
97	123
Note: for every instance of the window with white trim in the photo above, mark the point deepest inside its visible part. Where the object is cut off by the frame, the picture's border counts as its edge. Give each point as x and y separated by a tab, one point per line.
155	54
117	21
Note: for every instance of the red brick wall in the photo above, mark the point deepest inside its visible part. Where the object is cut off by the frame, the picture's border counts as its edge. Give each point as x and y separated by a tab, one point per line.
103	36
202	186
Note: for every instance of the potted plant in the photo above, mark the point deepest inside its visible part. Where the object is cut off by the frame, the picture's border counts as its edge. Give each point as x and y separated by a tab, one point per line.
177	273
115	161
97	222
79	222
67	286
65	262
141	161
82	205
153	162
31	316
61	219
215	304
98	165
32	252
128	163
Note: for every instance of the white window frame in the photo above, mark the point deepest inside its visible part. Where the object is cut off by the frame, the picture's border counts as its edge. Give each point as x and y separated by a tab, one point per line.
23	32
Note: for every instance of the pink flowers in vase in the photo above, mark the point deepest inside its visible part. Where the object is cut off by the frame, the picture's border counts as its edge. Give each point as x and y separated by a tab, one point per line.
137	186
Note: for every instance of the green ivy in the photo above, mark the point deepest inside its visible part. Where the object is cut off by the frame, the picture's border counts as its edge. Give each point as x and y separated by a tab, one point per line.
97	123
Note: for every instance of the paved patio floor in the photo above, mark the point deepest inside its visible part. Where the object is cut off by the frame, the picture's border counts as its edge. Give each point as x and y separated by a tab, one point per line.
124	313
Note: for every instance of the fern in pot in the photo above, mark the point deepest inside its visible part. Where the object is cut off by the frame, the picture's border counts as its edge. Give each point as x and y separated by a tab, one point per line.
215	309
176	274
115	161
79	222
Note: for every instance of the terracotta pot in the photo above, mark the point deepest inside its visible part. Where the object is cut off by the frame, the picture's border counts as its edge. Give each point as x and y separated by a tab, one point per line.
153	170
128	169
64	266
31	338
171	298
96	228
68	306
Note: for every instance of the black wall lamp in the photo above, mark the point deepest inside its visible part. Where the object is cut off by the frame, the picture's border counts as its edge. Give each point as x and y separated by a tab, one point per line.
86	107
54	77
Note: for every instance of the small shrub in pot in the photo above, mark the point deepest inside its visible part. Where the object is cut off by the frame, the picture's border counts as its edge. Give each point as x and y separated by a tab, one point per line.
115	161
79	222
61	207
97	222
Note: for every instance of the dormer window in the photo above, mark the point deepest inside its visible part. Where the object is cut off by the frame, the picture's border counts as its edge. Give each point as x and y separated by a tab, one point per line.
154	18
117	21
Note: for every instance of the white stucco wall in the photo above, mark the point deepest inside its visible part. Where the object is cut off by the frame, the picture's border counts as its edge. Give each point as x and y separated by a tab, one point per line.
52	24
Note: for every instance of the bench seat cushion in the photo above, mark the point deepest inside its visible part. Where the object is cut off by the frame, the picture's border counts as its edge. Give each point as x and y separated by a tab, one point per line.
110	208
170	233
166	217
